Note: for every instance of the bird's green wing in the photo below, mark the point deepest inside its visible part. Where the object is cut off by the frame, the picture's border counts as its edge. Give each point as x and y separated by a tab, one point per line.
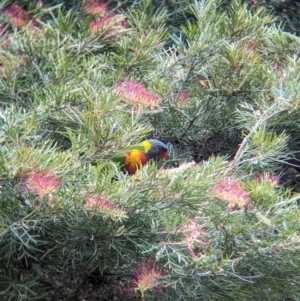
129	148
119	154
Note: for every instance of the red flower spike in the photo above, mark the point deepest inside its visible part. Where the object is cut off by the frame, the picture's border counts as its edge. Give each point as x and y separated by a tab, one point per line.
177	170
41	182
231	190
95	8
192	231
146	278
273	180
135	93
112	23
104	206
184	96
17	15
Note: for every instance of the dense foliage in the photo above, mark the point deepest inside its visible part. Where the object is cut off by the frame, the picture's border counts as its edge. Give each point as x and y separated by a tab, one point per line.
80	82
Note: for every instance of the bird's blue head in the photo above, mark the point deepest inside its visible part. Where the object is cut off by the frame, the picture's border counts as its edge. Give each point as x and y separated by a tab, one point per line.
155	149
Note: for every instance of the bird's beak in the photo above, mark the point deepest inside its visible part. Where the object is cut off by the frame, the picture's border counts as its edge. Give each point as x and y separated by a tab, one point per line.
164	155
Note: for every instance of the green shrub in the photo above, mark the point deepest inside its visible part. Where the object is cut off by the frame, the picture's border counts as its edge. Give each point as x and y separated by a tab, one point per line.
80	83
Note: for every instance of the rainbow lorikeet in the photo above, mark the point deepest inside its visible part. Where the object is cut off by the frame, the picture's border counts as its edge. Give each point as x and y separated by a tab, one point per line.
138	155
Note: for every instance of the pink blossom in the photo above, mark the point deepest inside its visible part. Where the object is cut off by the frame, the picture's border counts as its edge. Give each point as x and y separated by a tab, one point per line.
136	93
145	278
113	24
182	168
20	18
104	206
41	182
184	96
192	232
17	15
272	179
95	7
231	190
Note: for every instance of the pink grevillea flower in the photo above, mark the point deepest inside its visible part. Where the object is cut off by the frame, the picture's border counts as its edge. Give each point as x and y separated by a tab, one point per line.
17	15
136	93
273	180
104	206
192	232
20	18
41	182
231	190
145	278
184	96
95	7
113	24
177	170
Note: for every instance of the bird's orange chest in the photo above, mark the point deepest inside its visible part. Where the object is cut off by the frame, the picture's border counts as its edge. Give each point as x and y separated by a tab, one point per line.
134	160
